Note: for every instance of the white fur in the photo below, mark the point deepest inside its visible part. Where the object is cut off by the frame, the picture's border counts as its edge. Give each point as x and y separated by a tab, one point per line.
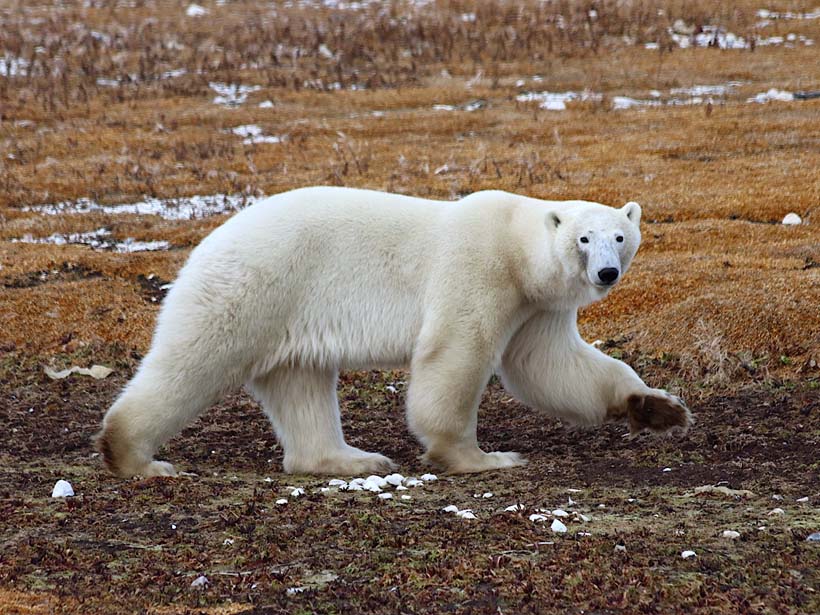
291	290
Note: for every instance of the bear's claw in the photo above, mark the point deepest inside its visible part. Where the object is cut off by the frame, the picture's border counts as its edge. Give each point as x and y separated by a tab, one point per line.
658	412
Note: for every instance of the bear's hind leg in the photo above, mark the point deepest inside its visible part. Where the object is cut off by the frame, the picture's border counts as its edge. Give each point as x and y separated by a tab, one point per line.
155	406
303	407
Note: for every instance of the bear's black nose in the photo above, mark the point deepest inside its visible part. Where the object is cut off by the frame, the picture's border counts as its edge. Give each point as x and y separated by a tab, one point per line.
608	275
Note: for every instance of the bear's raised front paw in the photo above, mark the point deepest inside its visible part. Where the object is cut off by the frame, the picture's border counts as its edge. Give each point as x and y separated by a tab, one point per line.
657	411
157	468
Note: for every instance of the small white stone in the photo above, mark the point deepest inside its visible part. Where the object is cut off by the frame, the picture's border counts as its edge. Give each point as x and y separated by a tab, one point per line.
791	219
731	534
574	490
294	590
337	482
777	497
266	104
428	478
394	479
386	496
352	487
571	502
371	486
667	470
601	505
514	508
584	518
297	491
200	582
173	526
777	511
194	10
558	512
802	500
324	489
621	548
358	481
487	494
62	489
452	508
281	501
536	517
466	514
401	488
413	482
406	497
227	542
558	527
688	554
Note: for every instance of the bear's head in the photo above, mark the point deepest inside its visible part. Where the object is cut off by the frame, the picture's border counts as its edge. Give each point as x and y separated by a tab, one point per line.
603	241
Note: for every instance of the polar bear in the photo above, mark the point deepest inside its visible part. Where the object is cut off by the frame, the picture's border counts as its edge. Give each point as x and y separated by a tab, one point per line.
289	291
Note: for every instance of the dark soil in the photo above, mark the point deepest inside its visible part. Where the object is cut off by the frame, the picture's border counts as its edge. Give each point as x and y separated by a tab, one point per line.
137	545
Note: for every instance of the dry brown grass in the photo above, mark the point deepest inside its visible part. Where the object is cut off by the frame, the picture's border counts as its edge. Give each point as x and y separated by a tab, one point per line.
711	183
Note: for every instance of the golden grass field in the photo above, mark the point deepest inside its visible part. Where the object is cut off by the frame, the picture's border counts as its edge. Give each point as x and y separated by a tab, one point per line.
114	102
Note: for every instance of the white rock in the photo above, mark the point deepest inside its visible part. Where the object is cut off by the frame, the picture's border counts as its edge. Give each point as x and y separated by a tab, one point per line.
688	554
571	502
584	518
406	497
667	470
227	542
428	478
394	479
731	534
324	489
802	500
386	496
558	512
413	482
297	491
281	501
487	494
377	480
777	497
371	486
574	490
266	104
558	527
294	590
337	482
451	508
352	487
777	511
621	548
401	488
514	508
200	582
62	489
536	517
584	534
466	514
792	218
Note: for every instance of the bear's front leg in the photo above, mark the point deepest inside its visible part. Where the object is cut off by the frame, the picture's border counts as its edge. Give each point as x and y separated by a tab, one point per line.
548	366
446	382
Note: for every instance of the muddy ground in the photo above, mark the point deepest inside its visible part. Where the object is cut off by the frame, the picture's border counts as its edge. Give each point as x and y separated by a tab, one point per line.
138	545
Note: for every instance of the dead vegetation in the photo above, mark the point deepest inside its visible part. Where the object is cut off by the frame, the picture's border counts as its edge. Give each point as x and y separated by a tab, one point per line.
117	102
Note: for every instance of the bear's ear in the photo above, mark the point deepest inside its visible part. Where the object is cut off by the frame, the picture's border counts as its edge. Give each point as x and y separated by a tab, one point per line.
553	221
633	212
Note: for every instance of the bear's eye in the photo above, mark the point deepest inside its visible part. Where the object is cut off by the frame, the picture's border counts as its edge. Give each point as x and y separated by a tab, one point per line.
619	239
584	240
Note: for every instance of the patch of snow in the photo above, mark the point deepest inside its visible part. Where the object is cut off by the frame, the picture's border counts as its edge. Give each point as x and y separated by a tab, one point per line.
187	208
767	14
13	67
266	104
232	94
791	219
688	554
195	10
770	95
556	101
94	239
625	102
62	489
558	527
252	134
98	372
173	74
